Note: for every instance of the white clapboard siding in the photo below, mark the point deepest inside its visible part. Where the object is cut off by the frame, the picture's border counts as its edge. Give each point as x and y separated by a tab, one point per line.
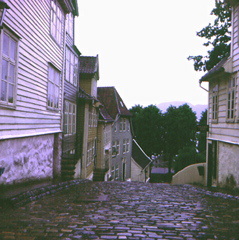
222	130
30	21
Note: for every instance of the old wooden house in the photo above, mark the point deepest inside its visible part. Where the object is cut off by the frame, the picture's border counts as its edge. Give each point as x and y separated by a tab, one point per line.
70	140
223	114
88	116
104	147
33	41
121	133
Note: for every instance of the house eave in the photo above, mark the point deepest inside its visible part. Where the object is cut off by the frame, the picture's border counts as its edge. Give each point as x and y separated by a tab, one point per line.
222	69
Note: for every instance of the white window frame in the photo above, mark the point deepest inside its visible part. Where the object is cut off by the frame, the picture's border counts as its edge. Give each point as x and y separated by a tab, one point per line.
69	118
91	152
122	125
125	145
70	24
215	103
115	148
71	74
116	171
93	117
53	91
57	18
10	78
231	98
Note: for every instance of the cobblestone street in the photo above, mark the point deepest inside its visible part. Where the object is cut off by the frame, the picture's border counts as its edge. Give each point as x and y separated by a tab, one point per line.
124	210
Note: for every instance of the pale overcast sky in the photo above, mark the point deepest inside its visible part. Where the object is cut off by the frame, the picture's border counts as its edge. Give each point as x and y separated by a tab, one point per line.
143	47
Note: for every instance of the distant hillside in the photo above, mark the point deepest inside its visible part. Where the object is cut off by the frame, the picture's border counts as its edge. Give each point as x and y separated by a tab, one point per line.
199	108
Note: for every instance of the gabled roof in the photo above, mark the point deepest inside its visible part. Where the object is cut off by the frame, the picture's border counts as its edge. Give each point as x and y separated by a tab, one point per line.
89	66
112	101
104	116
139	155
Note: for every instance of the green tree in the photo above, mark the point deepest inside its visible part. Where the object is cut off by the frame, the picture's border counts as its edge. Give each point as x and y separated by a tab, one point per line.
185	157
147	126
202	137
217	36
180	130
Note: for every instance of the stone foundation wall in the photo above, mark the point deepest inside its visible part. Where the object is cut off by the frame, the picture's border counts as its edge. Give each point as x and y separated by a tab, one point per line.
25	159
228	165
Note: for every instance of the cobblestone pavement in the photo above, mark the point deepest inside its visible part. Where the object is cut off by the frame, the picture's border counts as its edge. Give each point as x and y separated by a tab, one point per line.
124	210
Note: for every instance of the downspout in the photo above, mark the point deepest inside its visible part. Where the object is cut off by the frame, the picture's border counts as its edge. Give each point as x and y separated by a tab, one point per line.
202	87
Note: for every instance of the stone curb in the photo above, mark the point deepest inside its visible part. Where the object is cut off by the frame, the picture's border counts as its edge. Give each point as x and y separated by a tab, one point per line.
37	193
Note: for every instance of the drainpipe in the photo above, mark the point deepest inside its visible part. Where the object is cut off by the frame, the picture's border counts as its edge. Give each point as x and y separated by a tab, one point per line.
202	87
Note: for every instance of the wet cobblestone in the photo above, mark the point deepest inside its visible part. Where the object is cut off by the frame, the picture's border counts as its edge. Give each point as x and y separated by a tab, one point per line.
124	210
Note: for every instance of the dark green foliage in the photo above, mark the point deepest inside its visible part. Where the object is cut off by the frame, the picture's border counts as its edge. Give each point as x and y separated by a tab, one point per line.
202	137
166	133
186	157
180	130
217	36
147	126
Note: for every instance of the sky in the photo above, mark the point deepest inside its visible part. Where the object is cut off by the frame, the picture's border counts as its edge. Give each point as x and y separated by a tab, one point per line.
143	47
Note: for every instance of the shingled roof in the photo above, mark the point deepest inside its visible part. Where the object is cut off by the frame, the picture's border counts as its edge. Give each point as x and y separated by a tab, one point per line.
104	116
112	101
139	155
89	66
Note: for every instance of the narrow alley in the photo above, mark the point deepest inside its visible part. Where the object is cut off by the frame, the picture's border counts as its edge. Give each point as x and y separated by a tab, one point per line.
124	210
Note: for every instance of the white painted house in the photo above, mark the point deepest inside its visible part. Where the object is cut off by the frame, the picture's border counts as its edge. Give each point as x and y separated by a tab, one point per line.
32	50
223	114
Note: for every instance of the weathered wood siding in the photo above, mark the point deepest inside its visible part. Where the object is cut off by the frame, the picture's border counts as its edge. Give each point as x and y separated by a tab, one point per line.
30	20
222	129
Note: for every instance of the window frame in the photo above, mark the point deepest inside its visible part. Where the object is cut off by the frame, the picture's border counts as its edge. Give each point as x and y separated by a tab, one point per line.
70	24
70	114
52	106
10	61
125	145
71	67
93	117
91	152
215	103
122	125
231	99
56	22
115	148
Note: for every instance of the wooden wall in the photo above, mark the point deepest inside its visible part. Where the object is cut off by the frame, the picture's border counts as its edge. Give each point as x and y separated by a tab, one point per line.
30	20
223	129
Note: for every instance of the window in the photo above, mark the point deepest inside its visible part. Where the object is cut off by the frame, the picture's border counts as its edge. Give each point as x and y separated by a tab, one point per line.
69	24
122	125
69	118
215	103
113	172
91	152
71	67
231	98
116	171
93	117
125	145
53	88
56	21
8	70
115	127
115	148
